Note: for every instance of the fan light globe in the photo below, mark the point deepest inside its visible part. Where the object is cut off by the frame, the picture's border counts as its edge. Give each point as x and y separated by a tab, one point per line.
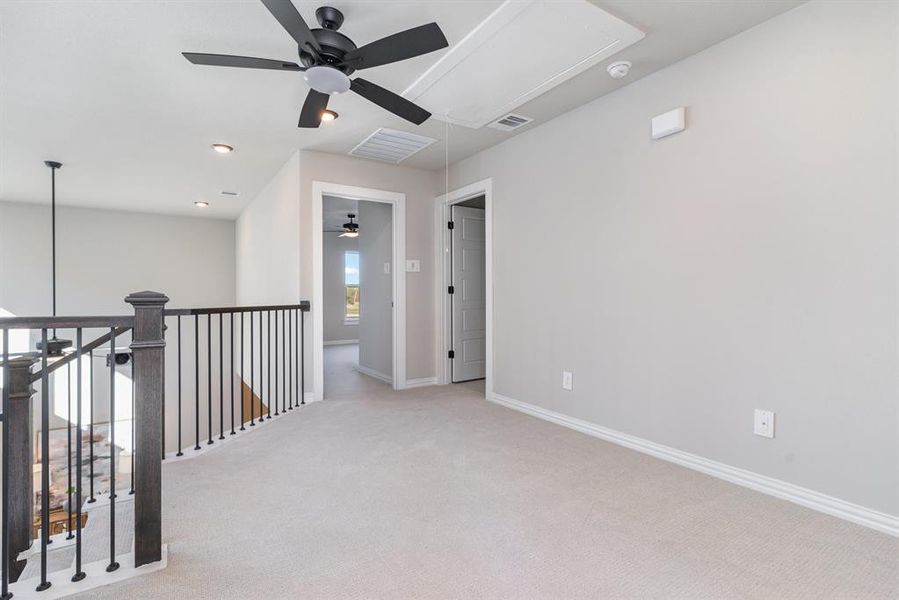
327	80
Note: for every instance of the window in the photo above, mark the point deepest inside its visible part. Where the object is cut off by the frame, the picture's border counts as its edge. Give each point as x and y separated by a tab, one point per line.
351	286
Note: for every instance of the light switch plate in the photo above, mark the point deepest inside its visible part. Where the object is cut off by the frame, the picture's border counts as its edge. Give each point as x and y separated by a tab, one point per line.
413	265
387	268
764	423
567	380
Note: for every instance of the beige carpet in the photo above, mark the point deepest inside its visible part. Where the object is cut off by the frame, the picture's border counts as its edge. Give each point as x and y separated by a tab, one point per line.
435	493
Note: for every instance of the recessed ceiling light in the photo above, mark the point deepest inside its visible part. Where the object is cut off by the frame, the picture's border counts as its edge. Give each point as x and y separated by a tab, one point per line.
328	116
222	148
201	204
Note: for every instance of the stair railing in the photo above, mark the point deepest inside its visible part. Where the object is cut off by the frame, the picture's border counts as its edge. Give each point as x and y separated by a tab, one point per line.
265	359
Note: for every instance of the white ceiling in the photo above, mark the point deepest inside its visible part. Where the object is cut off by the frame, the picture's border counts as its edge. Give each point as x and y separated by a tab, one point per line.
102	87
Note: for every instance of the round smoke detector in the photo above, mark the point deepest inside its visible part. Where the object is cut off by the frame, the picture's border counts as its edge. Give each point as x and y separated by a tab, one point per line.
619	69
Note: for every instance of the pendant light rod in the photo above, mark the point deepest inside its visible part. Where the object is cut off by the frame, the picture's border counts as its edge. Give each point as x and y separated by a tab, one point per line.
55	346
53	166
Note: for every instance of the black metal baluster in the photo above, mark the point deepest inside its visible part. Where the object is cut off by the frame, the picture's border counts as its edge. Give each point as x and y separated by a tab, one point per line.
162	423
209	377
79	574
4	477
261	369
231	372
290	359
284	361
131	487
113	565
90	466
302	356
252	369
180	447
45	462
268	359
69	534
275	397
197	382
243	417
221	385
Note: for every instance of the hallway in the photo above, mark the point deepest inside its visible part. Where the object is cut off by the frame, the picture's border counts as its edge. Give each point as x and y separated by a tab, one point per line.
343	381
435	493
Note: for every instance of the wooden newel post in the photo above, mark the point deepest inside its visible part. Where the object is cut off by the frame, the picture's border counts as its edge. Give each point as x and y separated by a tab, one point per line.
21	461
148	354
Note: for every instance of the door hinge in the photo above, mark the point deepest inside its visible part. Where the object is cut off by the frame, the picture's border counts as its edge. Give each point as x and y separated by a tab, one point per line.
451	290
450	225
451	354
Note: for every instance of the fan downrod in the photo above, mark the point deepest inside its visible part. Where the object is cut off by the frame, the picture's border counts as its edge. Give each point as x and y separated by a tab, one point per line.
329	17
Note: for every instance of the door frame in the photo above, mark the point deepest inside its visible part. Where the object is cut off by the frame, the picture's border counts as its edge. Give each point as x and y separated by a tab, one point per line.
443	276
397	200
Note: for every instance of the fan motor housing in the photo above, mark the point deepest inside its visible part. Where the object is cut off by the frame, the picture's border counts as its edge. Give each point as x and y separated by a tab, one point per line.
334	47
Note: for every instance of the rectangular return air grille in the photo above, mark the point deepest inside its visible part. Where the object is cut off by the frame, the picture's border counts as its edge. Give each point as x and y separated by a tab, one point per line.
390	145
509	122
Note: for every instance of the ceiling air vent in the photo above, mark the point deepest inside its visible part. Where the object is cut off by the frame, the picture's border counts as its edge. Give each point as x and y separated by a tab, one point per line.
390	145
509	122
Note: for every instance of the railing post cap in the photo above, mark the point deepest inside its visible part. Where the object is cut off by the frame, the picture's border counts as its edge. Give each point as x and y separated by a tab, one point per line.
146	297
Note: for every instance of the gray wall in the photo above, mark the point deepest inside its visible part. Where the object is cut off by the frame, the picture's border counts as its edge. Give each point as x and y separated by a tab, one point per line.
333	249
420	188
192	260
376	306
750	261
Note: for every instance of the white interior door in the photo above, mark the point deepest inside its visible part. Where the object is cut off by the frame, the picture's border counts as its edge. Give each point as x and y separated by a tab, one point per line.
469	301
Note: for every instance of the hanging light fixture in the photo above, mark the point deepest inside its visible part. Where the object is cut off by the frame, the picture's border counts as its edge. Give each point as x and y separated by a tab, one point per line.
55	345
350	229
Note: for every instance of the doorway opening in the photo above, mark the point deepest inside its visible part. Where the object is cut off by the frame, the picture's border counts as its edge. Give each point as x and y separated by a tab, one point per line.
464	258
359	292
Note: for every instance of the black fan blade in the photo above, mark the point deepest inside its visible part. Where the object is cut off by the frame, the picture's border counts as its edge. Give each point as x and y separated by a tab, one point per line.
287	15
396	47
226	60
392	102
315	104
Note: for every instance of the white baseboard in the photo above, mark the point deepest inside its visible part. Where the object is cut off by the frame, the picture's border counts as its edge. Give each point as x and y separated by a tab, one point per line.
830	505
97	576
421	382
372	373
339	342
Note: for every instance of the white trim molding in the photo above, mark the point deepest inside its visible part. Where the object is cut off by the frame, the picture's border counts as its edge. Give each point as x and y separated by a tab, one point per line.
339	342
830	505
397	200
373	373
421	382
442	276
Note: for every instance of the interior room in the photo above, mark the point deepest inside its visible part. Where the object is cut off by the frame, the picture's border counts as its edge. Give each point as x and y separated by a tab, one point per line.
500	299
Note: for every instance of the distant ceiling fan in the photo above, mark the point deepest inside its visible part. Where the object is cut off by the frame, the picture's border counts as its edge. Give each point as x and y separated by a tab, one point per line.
329	57
350	229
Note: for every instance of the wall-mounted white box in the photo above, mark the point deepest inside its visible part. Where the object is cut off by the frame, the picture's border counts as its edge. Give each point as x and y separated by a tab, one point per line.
669	123
413	265
763	423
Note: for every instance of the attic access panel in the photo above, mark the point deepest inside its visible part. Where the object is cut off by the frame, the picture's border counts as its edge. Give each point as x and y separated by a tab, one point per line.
523	49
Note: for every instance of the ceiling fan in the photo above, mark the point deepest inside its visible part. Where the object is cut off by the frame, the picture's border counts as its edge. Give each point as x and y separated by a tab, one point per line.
329	57
350	229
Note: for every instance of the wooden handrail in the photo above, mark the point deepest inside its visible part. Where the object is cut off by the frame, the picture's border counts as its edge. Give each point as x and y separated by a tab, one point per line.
105	322
172	312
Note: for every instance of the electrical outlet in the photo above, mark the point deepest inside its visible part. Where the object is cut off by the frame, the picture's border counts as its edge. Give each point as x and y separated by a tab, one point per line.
764	423
567	380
